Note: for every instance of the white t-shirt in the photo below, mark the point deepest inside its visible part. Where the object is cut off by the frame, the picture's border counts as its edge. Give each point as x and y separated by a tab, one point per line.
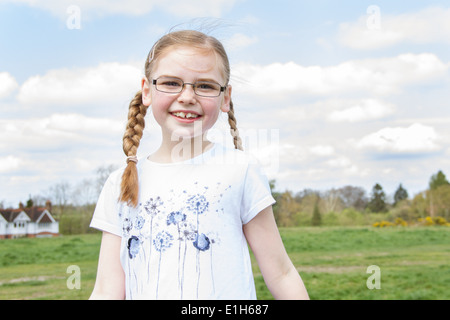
185	238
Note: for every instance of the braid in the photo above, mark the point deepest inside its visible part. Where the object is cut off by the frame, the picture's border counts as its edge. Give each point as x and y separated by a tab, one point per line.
234	130
129	188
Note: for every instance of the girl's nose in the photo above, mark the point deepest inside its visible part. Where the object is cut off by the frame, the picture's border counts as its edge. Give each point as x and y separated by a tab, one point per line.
188	95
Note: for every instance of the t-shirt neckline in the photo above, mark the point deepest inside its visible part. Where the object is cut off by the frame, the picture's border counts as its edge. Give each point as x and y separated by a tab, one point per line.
188	161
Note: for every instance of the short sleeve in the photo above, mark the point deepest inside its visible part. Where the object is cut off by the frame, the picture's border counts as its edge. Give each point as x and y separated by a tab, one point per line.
106	215
256	194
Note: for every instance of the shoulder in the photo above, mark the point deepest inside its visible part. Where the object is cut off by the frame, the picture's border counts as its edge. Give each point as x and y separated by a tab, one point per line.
233	156
244	165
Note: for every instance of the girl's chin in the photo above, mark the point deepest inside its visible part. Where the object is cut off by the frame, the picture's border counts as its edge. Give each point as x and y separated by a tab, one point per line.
194	130
181	135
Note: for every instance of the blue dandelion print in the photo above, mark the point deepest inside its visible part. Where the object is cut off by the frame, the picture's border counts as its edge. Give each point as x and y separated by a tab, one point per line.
162	242
175	218
202	242
197	204
152	206
134	244
181	225
139	224
126	227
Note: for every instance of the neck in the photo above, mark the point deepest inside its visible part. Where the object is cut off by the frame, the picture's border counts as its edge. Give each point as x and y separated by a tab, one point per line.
181	150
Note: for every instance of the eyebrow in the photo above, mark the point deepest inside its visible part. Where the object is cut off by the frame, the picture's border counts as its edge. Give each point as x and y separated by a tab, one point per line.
200	79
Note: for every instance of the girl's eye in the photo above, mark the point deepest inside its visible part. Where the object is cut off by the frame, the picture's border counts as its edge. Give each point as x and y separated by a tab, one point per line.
206	86
171	84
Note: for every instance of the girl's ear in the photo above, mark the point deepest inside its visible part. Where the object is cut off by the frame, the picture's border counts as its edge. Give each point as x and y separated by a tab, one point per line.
146	92
226	99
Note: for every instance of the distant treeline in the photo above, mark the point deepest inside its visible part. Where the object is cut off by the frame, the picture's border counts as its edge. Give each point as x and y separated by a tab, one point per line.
73	206
349	205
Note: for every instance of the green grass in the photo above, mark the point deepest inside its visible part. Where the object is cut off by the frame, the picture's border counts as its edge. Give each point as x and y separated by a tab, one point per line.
37	268
331	260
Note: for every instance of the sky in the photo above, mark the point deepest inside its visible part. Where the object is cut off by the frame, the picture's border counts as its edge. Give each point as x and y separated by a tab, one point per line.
326	93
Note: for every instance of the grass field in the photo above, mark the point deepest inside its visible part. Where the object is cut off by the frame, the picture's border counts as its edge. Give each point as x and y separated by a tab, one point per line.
414	263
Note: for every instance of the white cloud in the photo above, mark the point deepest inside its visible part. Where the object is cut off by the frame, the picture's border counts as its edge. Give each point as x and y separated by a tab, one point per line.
58	131
377	76
431	25
10	163
108	82
7	84
416	138
88	8
322	150
339	162
363	110
80	124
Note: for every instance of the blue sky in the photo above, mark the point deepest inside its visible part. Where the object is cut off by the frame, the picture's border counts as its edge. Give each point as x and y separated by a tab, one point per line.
337	92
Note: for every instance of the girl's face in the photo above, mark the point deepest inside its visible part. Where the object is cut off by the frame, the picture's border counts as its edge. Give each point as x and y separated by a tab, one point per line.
186	114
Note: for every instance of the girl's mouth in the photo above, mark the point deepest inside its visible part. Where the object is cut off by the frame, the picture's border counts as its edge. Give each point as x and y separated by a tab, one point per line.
185	117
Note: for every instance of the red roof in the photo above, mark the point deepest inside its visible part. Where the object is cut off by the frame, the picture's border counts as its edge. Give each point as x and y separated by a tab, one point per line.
34	213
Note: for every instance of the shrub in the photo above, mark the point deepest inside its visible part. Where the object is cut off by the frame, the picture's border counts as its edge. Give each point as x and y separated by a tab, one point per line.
430	221
400	222
383	224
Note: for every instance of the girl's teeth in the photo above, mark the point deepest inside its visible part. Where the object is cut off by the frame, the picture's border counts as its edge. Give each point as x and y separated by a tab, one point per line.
185	115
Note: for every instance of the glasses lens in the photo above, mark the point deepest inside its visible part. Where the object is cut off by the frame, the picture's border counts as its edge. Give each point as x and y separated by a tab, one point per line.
175	85
207	89
170	85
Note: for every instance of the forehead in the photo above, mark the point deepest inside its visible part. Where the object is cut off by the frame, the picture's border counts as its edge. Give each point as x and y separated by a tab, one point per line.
187	61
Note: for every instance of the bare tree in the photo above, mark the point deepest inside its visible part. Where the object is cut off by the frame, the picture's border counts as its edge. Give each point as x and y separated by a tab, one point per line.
84	193
59	195
103	173
353	197
332	200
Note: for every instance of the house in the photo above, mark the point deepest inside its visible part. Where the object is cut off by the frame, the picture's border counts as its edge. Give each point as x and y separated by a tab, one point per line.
34	222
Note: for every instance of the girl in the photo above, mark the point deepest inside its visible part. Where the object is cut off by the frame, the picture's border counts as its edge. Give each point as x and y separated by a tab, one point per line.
176	224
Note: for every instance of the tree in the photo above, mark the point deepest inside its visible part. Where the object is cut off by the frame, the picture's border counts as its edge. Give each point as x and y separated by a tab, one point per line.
103	173
438	180
377	201
400	194
316	218
59	195
353	197
332	201
84	193
30	203
440	201
287	208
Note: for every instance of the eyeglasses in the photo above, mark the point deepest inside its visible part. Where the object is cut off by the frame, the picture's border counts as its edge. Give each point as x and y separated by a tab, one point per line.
176	85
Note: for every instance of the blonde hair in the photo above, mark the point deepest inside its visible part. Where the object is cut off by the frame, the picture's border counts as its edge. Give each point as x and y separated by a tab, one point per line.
129	189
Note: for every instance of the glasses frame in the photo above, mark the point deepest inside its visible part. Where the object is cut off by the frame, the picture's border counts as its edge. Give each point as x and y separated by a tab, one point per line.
194	86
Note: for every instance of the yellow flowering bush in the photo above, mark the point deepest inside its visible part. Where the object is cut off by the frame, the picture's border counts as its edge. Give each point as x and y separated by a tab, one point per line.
400	222
427	221
430	221
383	224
